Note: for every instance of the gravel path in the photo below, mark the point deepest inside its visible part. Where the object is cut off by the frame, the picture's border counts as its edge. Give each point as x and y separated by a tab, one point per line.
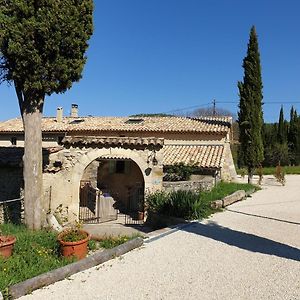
250	251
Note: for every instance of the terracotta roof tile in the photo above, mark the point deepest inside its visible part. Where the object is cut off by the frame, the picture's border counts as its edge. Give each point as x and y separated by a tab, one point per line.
114	141
94	124
203	156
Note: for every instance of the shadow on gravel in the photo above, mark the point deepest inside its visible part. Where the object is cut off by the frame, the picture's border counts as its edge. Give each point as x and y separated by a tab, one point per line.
263	217
244	240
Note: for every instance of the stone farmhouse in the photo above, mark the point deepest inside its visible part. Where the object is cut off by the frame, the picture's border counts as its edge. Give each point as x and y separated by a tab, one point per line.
96	167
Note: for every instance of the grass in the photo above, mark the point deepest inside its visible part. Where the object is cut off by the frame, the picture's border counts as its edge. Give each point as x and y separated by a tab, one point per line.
108	242
37	252
224	189
111	242
34	253
272	170
191	205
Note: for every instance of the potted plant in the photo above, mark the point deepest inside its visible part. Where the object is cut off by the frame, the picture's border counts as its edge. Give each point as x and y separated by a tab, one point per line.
141	211
74	242
6	245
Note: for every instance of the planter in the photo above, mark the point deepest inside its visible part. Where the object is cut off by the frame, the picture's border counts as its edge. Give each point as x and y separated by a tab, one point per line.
140	216
6	245
76	248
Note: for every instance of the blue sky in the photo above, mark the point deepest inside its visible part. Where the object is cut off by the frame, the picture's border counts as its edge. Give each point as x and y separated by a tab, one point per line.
162	55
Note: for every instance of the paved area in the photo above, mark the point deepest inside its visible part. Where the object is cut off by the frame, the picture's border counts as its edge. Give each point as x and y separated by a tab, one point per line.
251	251
116	228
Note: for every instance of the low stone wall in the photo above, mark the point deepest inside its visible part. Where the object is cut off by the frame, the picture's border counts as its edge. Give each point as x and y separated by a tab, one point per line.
205	184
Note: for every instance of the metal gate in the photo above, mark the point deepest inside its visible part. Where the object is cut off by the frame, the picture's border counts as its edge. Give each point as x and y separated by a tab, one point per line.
94	207
135	214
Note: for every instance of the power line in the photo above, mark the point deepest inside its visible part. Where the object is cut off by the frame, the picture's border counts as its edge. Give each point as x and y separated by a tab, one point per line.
215	102
187	108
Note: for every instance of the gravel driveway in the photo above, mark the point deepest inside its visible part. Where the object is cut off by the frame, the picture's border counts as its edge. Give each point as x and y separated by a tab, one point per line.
251	251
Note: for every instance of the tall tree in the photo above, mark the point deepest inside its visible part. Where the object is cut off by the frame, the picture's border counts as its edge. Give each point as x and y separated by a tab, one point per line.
292	135
42	51
250	116
281	129
296	138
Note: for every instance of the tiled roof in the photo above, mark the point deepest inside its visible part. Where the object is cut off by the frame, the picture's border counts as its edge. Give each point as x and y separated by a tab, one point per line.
203	156
124	124
113	141
216	120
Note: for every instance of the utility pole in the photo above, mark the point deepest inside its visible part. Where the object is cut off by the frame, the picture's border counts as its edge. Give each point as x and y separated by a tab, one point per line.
214	107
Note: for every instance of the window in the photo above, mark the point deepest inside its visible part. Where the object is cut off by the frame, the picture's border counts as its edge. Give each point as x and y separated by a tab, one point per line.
76	121
120	166
134	121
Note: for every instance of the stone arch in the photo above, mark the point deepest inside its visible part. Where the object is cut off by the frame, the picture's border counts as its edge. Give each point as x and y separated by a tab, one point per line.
62	187
93	154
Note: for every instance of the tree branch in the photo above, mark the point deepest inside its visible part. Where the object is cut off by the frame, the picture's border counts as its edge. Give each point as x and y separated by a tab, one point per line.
20	97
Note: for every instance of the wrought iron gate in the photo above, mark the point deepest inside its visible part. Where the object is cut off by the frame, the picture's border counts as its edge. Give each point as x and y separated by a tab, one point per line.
136	208
94	207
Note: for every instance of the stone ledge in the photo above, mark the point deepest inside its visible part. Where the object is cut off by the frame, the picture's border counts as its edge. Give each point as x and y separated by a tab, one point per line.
230	199
236	196
29	285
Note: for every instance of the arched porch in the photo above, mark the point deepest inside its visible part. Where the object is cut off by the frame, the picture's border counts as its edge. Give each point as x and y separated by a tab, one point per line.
79	153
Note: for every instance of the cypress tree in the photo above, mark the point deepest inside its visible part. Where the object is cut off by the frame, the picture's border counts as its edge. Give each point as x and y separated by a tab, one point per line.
250	117
293	137
281	130
297	138
42	51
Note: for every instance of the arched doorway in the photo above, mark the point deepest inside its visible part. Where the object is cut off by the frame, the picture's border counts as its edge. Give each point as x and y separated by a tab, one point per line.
112	189
80	152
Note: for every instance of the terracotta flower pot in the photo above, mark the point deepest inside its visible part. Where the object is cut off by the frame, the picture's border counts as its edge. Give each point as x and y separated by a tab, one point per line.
6	245
78	248
140	215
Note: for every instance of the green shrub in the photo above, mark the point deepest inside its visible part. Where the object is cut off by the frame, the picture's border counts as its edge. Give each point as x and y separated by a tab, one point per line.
189	204
156	201
181	204
178	172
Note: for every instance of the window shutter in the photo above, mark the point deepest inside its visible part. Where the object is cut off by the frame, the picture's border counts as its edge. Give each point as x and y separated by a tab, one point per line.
127	166
112	166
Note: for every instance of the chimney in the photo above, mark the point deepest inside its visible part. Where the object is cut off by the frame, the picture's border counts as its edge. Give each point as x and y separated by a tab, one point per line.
59	114
74	111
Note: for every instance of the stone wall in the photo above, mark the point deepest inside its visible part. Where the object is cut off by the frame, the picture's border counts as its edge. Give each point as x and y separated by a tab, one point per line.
90	173
228	172
205	184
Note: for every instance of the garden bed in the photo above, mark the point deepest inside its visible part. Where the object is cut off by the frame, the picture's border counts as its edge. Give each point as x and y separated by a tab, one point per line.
37	252
165	209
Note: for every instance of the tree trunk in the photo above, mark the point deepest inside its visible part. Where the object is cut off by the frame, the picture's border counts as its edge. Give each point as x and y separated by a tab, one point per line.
250	175
33	181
